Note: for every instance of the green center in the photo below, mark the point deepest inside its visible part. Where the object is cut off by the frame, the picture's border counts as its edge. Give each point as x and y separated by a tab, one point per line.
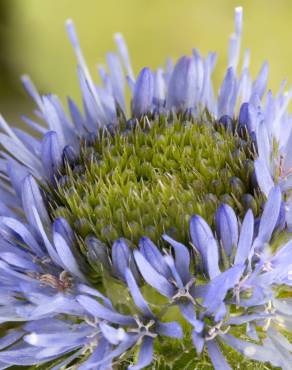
152	178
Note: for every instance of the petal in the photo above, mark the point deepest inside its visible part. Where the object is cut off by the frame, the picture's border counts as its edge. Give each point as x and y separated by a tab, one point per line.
189	313
123	51
182	85
113	335
98	252
87	79
51	154
263	175
31	197
145	354
136	294
152	277
170	329
260	84
245	238
198	341
227	227
154	257
205	242
10	337
235	40
227	94
218	360
251	350
182	258
243	118
17	227
17	173
218	287
263	143
121	256
62	227
117	78
66	256
270	215
101	312
143	93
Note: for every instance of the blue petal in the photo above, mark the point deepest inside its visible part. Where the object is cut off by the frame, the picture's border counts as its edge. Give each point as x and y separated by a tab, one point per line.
17	173
270	215
227	227
260	84
16	227
101	312
251	350
235	40
243	118
143	93
228	94
40	228
263	176
264	146
152	277
101	351
188	311
170	329
10	337
145	354
123	51
245	238
182	85
218	360
113	335
98	252
119	350
88	86
76	116
31	197
117	78
198	341
121	256
205	243
136	294
218	287
154	257
62	227
182	258
82	288
66	256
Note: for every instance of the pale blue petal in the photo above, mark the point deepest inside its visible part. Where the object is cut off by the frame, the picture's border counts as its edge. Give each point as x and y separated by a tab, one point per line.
245	238
98	310
145	354
152	277
227	227
218	360
136	294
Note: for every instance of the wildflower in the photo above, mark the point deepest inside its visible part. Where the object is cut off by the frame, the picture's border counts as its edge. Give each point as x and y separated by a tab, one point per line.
153	236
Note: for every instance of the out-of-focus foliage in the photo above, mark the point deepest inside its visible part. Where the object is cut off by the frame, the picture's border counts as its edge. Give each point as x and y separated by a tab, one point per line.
33	39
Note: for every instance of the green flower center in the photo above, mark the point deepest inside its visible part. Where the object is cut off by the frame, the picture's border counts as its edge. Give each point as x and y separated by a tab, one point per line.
152	178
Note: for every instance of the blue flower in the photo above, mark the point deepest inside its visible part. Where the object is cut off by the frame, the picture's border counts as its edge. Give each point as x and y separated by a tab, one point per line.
71	302
247	264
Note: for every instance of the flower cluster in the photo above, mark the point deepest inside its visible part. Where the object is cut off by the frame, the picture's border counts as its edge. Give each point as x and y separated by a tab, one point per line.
121	305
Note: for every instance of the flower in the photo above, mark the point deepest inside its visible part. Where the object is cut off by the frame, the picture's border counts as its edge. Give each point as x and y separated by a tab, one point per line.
86	280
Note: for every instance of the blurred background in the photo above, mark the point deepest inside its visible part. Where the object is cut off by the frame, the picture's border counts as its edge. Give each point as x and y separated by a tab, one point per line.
33	39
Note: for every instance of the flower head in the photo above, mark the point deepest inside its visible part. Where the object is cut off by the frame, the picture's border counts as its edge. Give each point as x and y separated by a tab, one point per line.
156	235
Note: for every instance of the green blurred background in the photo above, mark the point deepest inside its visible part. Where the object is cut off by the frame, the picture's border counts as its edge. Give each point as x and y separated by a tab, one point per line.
33	39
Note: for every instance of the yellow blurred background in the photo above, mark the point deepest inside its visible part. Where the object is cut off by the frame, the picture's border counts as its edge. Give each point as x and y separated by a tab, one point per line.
33	39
